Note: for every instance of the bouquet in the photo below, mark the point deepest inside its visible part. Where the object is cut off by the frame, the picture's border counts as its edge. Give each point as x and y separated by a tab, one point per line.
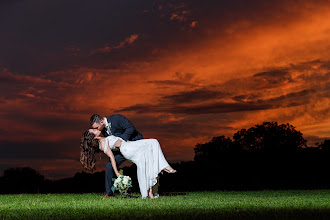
122	184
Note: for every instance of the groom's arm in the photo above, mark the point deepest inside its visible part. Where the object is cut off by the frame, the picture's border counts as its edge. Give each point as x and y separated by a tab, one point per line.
127	126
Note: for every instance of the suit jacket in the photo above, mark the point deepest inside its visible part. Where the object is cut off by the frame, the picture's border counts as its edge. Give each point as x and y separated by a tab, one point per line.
122	127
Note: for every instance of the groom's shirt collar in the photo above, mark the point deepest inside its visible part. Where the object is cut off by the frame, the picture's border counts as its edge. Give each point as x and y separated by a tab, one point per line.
106	122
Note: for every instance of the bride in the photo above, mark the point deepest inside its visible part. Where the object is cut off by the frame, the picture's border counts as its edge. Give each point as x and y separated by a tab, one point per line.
145	153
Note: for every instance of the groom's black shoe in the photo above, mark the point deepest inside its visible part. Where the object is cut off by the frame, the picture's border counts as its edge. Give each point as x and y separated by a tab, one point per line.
107	196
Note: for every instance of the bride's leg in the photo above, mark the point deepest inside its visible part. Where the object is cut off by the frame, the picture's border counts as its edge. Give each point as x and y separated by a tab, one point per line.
151	196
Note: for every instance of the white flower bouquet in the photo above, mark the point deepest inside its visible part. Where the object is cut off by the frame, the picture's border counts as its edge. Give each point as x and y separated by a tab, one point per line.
122	184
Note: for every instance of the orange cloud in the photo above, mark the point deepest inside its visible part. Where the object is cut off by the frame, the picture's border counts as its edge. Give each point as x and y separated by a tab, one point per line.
129	40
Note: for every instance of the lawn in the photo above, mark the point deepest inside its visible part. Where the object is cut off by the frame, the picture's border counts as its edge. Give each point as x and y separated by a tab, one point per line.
285	204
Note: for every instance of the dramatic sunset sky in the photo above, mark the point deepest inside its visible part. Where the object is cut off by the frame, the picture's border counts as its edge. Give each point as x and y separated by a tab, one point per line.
182	71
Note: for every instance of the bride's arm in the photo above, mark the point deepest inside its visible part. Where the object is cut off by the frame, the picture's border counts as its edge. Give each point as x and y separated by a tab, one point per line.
112	158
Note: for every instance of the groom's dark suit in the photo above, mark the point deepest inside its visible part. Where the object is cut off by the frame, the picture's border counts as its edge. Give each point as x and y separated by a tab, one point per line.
120	126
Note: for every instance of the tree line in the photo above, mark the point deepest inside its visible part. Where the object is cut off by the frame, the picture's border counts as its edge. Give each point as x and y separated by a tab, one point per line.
266	156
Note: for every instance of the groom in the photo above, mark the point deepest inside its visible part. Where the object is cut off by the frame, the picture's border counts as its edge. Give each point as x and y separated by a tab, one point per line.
120	126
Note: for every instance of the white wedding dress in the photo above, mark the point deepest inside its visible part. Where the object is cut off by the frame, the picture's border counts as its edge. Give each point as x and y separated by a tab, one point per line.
148	157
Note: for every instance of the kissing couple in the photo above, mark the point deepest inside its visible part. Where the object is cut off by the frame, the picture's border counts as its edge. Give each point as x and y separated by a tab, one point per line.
116	132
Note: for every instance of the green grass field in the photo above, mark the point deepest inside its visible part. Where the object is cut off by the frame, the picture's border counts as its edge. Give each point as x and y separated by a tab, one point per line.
286	204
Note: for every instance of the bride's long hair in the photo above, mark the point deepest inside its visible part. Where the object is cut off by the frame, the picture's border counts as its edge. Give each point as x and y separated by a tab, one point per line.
88	147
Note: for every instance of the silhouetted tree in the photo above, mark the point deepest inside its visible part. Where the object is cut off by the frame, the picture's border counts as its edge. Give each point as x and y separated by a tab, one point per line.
325	146
21	180
212	149
270	137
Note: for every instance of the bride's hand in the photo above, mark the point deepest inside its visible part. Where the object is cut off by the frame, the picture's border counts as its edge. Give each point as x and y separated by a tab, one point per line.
118	174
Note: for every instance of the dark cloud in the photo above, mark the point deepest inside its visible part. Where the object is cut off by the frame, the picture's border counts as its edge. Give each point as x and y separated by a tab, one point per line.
221	107
185	77
260	81
181	128
40	149
61	123
197	95
302	66
275	76
181	79
244	97
288	100
294	95
199	109
170	83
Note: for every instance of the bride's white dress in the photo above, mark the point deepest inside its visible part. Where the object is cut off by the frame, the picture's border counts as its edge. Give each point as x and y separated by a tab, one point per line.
148	157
